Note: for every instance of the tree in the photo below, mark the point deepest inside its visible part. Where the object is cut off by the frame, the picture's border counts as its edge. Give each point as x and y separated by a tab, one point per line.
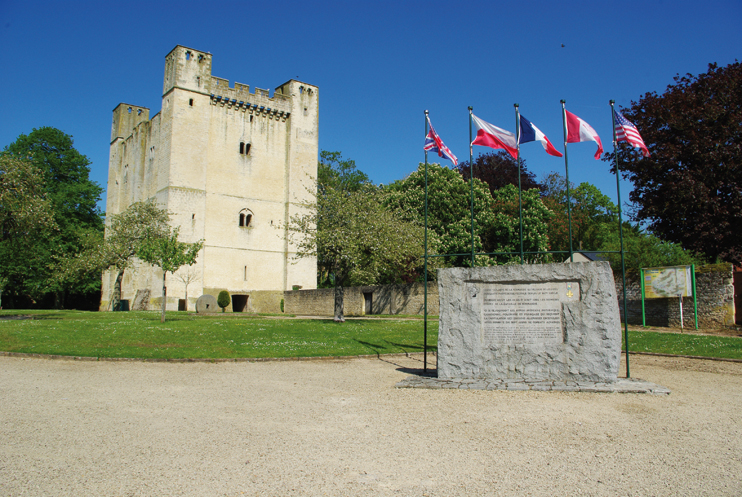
73	201
339	174
356	238
25	216
642	250
594	215
169	254
449	200
125	234
187	277
689	191
496	222
498	169
223	300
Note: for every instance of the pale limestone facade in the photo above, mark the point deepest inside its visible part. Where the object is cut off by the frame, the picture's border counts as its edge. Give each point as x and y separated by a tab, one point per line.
231	167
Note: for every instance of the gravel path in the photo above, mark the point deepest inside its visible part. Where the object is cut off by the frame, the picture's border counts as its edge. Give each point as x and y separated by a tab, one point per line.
341	428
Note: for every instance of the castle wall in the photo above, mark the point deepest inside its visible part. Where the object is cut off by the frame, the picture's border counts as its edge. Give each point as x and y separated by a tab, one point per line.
212	154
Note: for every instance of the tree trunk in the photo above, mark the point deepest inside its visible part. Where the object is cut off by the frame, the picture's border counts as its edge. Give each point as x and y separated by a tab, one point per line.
339	318
164	296
186	298
116	297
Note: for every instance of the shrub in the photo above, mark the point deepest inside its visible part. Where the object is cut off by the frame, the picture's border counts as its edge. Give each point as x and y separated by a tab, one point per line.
223	299
282	306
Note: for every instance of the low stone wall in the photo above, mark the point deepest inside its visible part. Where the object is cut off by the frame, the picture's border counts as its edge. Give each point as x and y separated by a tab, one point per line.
387	299
715	294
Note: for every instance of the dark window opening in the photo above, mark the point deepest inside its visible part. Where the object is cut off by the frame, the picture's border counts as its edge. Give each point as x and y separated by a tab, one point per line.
188	55
200	57
242	219
245	219
242	147
182	305
250	118
247	149
190	102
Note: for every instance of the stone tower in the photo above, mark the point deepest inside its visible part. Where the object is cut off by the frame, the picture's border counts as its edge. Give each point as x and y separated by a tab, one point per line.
231	167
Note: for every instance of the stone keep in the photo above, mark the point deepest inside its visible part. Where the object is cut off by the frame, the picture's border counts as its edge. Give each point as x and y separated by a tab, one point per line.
231	167
533	322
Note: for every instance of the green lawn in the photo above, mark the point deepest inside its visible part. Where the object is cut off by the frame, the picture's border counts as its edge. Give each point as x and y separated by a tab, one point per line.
141	335
233	335
685	344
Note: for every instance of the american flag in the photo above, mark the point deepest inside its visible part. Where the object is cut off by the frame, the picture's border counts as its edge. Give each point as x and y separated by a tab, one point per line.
627	132
433	143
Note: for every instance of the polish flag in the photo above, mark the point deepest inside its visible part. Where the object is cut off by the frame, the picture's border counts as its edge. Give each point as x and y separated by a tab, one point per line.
530	133
580	131
494	137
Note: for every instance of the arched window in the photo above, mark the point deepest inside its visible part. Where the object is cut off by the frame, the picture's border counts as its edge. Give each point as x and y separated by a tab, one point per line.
246	216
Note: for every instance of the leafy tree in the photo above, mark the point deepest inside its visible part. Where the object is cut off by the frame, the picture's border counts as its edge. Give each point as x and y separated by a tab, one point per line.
126	232
356	238
594	215
496	222
449	200
498	169
642	250
223	300
25	216
689	191
169	254
73	201
504	236
339	174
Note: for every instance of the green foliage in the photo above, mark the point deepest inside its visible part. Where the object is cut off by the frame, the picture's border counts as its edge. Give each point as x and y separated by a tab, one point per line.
594	215
642	250
496	224
169	254
504	235
498	169
339	174
126	233
72	198
223	299
355	238
282	306
689	190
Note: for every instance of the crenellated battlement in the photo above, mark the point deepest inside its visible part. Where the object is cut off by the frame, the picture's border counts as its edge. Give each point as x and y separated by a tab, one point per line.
240	97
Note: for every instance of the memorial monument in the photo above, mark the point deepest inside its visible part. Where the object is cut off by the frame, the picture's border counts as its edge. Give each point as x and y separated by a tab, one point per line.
534	322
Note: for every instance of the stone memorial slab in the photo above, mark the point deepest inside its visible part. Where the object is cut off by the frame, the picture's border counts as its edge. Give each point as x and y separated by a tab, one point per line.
206	304
532	322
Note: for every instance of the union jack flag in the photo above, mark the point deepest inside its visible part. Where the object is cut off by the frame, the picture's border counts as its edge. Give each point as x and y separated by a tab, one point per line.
433	143
627	132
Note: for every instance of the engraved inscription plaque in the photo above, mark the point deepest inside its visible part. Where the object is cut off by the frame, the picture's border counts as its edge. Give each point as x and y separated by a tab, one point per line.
525	313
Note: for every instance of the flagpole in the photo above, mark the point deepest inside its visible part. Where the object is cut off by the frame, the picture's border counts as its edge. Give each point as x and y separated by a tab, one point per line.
620	236
520	195
425	263
566	168
471	186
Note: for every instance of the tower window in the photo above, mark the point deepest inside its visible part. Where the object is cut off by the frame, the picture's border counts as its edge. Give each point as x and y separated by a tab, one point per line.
190	102
245	218
244	148
188	55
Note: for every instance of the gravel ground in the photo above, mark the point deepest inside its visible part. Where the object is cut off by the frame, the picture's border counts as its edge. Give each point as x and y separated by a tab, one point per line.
341	428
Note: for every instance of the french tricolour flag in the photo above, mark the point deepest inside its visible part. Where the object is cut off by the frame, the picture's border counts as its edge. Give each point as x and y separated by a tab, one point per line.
491	136
530	133
580	131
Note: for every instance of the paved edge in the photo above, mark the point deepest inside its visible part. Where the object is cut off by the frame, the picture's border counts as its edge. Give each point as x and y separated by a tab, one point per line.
622	385
206	359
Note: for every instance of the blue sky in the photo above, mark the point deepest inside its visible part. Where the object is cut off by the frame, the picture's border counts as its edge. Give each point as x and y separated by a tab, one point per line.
378	66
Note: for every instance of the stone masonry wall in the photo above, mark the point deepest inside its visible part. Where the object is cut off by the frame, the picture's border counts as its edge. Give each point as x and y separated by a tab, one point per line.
387	299
715	300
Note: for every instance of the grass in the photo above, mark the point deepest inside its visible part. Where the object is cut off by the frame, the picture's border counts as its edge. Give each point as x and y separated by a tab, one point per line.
685	344
233	335
141	335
